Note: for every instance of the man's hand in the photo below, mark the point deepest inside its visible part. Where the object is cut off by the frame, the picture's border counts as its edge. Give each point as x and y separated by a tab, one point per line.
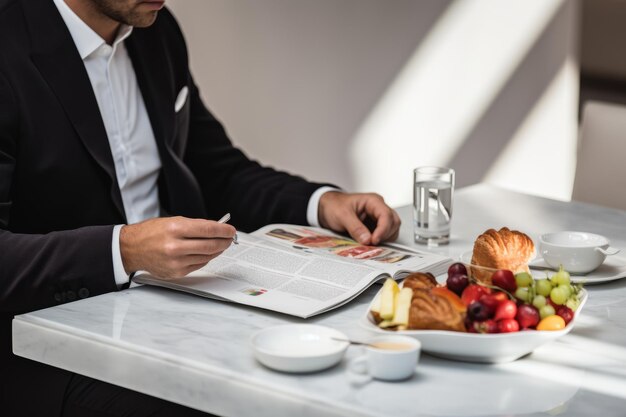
172	247
348	212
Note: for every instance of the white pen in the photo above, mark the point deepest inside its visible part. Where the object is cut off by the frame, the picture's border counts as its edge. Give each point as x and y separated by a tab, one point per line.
224	219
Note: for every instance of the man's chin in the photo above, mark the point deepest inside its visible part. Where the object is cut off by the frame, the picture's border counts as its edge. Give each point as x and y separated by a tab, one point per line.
144	19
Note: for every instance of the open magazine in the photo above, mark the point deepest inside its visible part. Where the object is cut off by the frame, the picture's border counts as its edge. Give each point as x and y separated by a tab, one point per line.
299	270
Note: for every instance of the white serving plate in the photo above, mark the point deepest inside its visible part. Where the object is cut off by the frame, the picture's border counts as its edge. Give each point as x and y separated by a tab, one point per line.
473	347
298	347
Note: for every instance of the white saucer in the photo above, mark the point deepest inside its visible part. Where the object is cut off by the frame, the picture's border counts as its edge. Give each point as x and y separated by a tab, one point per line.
614	267
298	347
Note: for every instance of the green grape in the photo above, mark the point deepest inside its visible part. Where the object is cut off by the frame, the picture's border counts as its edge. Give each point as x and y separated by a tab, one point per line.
522	293
539	301
558	296
543	287
523	279
573	303
567	289
546	311
553	281
562	277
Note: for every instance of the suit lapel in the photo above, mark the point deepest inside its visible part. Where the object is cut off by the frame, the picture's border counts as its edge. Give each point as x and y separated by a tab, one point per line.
157	86
58	61
180	191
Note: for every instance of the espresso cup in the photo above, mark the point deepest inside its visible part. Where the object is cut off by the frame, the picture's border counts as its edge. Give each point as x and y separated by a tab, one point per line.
389	358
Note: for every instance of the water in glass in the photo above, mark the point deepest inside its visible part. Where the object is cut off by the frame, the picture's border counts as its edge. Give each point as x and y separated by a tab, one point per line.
432	206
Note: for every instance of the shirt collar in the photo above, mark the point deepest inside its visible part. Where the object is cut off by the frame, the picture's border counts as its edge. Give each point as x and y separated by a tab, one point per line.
86	40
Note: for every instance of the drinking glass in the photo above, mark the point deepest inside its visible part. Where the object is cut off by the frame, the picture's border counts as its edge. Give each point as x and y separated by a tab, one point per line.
432	204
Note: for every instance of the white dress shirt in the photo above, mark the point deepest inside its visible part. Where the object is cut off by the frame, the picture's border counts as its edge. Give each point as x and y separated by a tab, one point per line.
128	128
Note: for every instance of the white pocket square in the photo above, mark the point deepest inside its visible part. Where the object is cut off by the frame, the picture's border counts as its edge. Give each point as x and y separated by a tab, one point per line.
181	99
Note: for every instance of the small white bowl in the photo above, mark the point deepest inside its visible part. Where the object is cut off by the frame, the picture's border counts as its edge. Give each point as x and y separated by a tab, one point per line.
578	252
298	347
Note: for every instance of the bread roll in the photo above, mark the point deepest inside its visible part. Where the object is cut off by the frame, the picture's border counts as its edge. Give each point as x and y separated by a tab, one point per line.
434	312
420	280
502	249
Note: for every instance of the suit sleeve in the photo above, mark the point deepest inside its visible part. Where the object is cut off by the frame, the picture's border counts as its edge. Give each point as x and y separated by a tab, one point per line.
41	270
255	195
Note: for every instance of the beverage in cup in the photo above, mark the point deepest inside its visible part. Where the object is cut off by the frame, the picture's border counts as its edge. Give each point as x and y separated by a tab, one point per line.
433	188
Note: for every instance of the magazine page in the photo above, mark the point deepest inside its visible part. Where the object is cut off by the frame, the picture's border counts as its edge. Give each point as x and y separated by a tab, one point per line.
270	275
392	259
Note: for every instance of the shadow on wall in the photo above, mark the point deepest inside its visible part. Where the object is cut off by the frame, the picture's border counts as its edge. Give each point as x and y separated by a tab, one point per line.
490	82
292	80
491	134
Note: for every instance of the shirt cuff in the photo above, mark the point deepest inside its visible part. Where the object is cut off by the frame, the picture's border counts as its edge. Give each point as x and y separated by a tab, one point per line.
121	277
313	206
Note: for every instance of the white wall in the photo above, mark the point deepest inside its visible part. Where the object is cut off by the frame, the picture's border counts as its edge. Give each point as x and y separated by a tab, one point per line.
358	92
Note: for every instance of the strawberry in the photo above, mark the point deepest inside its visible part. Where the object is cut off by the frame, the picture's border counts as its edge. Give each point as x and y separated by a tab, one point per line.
508	326
506	310
472	293
491	301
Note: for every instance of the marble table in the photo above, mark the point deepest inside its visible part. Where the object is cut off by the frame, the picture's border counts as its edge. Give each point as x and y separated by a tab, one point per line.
195	351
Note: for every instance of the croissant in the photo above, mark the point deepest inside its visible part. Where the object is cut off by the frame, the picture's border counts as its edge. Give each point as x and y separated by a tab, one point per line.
434	312
502	249
420	280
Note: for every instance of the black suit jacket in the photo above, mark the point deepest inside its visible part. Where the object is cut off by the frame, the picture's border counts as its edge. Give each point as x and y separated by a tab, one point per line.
59	198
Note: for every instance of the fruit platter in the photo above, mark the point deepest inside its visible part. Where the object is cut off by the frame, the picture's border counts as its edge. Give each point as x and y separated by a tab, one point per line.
478	313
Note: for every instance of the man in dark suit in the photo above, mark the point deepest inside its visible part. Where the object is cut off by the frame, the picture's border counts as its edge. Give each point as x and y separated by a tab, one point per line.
109	164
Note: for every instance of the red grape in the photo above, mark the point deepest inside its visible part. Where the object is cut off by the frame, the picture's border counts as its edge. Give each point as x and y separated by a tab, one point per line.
527	316
457	283
566	313
457	269
504	279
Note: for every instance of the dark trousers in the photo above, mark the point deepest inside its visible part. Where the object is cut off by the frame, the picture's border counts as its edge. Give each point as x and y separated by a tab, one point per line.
89	397
32	389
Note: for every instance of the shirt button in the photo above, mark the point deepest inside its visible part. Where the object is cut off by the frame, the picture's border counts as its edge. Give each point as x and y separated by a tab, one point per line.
71	295
83	293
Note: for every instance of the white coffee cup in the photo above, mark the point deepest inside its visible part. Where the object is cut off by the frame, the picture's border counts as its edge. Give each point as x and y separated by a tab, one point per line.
390	358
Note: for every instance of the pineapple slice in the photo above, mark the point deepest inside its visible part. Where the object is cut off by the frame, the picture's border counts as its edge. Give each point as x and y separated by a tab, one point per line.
388	299
375	310
376	305
403	304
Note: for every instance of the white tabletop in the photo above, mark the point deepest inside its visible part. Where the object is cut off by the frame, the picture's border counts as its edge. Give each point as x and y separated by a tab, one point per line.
195	351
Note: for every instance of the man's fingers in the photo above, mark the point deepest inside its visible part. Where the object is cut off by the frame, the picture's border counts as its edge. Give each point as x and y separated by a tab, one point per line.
387	220
393	231
384	228
355	227
200	228
199	259
203	247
